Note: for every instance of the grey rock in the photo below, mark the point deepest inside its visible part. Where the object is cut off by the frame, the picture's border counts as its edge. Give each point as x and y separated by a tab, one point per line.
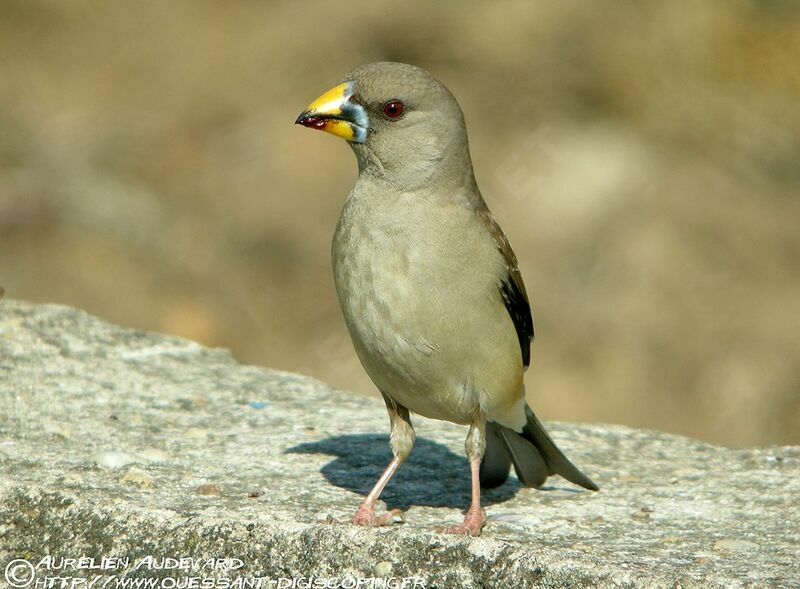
109	434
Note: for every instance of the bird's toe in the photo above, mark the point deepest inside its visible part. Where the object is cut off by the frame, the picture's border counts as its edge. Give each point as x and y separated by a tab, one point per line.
365	516
471	526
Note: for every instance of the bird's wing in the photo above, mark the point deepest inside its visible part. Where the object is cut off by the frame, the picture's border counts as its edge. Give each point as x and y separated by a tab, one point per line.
512	289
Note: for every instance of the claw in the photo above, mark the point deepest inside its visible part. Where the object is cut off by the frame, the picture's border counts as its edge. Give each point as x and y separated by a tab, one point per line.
365	516
472	525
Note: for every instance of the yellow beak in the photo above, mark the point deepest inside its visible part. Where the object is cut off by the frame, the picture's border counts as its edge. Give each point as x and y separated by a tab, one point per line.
335	112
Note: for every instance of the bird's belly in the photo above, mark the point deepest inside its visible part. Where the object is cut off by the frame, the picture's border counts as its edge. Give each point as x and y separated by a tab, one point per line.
428	333
394	335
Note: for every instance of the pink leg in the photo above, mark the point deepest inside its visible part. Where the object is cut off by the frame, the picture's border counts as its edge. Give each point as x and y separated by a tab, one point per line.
475	518
365	514
402	441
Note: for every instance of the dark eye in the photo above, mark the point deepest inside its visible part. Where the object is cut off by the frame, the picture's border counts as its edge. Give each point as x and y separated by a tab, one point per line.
393	109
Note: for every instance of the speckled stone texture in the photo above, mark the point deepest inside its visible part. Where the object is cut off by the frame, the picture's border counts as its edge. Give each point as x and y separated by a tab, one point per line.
122	443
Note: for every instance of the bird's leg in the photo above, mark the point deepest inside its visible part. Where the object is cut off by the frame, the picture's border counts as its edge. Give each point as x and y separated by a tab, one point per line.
365	514
475	446
402	441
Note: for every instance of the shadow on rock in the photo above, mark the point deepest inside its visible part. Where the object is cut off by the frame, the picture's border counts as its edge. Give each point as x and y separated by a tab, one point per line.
433	476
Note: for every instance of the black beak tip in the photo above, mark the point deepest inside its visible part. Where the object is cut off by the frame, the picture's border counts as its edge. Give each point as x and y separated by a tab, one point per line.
301	119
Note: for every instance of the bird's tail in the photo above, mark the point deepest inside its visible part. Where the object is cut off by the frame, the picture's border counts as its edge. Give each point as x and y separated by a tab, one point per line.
533	453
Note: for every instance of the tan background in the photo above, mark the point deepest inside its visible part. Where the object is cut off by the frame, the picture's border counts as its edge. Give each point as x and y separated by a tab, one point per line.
644	159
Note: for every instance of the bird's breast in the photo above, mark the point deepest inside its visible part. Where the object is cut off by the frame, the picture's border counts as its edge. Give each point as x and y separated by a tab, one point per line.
379	271
418	286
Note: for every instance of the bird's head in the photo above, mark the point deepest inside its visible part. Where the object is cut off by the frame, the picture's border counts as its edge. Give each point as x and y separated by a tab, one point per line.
402	123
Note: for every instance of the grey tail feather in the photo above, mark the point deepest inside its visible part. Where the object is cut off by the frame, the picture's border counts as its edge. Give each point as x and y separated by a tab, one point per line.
533	453
496	462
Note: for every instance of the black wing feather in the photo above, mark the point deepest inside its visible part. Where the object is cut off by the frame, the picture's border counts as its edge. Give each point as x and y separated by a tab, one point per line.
512	289
520	311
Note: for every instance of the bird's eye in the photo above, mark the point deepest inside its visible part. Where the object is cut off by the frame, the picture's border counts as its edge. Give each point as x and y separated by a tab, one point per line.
393	109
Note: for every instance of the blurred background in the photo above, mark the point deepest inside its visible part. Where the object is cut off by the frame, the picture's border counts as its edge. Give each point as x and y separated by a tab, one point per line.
643	158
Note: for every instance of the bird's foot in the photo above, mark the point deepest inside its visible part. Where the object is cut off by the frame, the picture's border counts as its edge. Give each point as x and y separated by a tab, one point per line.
473	523
366	516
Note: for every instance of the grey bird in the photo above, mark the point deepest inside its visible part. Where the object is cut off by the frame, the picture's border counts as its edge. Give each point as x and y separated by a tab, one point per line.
429	285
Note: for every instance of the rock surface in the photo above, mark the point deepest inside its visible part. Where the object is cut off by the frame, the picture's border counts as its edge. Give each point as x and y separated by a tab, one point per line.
119	443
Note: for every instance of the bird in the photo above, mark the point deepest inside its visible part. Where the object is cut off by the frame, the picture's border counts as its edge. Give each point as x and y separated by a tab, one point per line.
428	284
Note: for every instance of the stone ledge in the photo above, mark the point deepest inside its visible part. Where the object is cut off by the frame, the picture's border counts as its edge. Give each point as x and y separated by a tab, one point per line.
124	443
